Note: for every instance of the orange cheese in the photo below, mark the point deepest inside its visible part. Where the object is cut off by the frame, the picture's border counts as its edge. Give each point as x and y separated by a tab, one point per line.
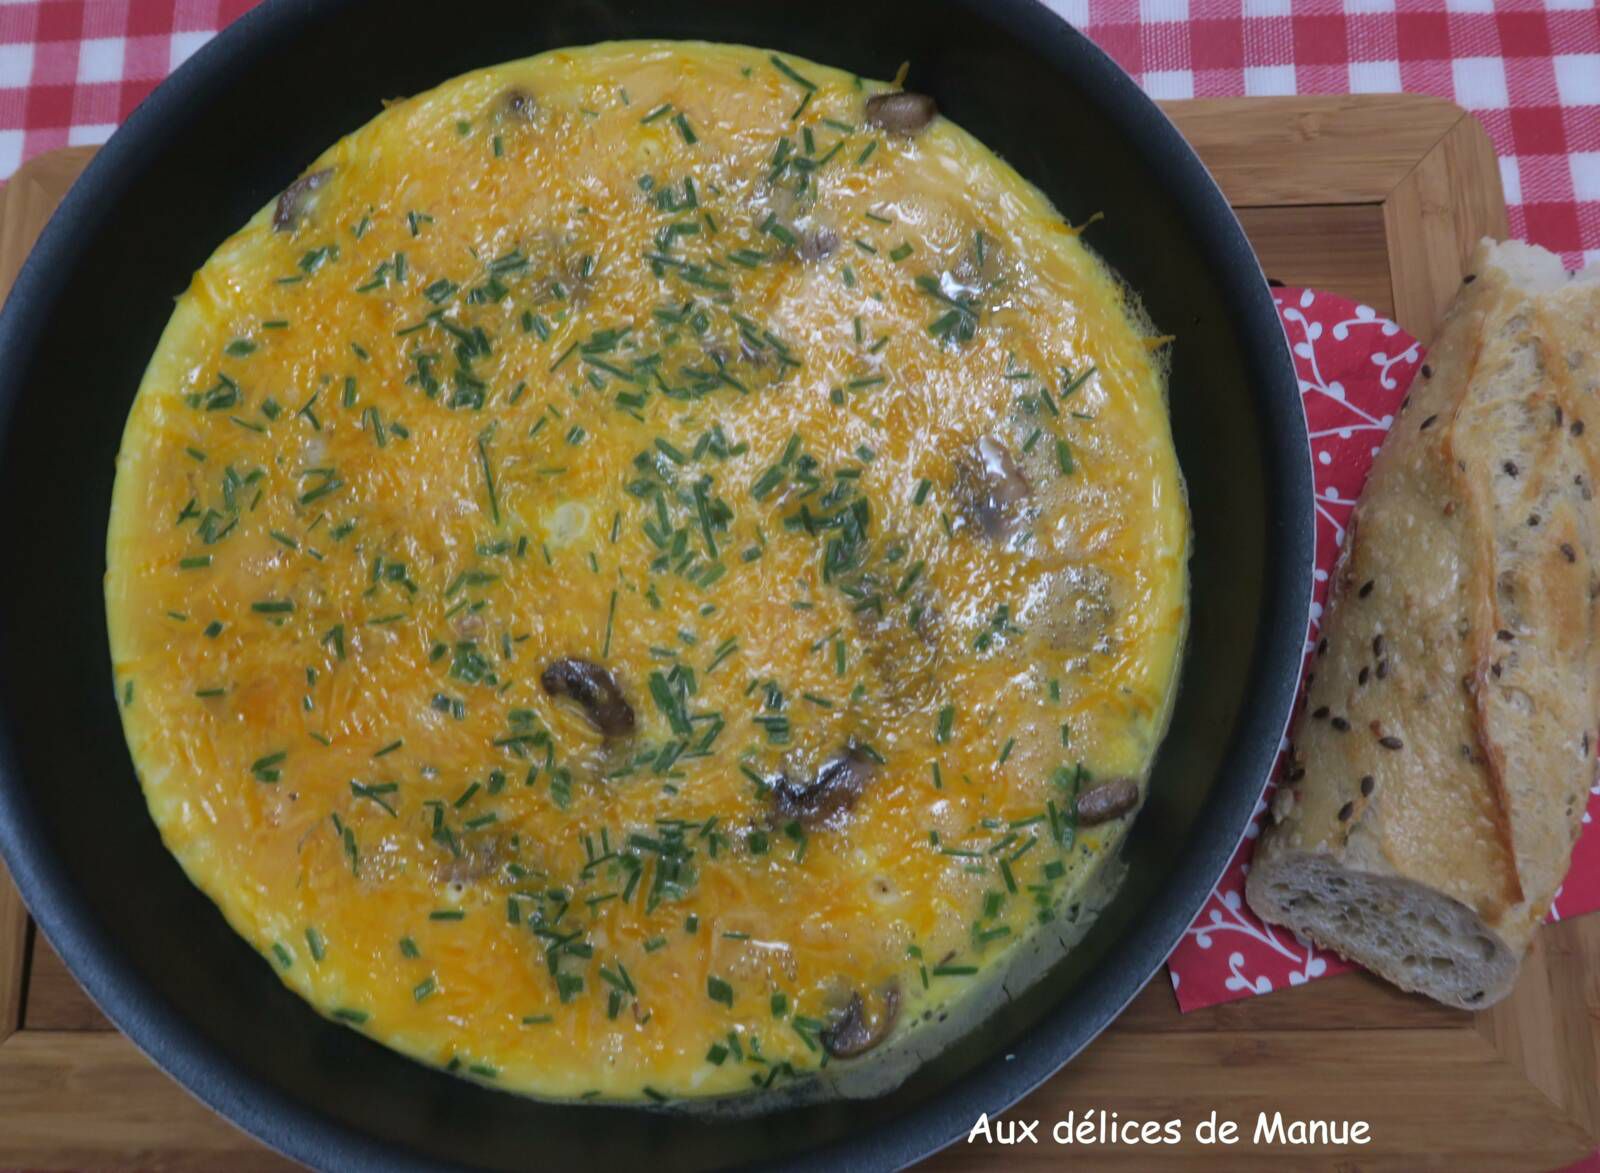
818	438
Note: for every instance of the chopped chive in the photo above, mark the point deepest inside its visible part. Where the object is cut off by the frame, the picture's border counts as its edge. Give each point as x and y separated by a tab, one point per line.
611	616
264	768
788	71
1076	381
375	793
488	475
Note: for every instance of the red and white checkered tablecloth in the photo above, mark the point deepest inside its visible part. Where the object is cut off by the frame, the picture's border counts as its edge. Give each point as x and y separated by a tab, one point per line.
71	70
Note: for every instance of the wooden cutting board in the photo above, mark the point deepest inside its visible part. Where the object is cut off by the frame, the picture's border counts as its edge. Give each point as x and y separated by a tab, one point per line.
1377	197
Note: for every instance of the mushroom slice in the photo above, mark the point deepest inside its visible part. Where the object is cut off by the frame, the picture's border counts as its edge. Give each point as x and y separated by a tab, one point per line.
817	244
518	104
994	490
477	860
595	690
902	112
829	793
1077	610
1107	800
857	1029
298	199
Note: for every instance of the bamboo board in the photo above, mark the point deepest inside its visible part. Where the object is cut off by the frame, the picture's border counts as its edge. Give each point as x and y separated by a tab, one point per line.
1377	197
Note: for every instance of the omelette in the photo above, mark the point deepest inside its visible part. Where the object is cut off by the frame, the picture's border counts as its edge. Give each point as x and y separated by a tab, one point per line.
651	573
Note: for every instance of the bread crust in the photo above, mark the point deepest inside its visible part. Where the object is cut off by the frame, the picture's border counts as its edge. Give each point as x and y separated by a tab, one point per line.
1445	750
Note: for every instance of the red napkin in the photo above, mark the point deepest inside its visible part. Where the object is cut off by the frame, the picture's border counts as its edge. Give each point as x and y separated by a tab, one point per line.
1354	367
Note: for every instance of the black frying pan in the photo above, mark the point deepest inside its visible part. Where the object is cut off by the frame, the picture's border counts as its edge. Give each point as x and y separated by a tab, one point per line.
219	139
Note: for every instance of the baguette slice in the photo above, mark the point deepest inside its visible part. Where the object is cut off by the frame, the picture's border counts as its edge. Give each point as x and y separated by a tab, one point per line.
1439	770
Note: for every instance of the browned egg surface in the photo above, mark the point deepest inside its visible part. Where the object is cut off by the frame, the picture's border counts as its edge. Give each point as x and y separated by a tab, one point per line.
647	572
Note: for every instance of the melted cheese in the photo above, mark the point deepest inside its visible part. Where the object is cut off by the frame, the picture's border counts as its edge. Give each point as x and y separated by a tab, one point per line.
813	435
